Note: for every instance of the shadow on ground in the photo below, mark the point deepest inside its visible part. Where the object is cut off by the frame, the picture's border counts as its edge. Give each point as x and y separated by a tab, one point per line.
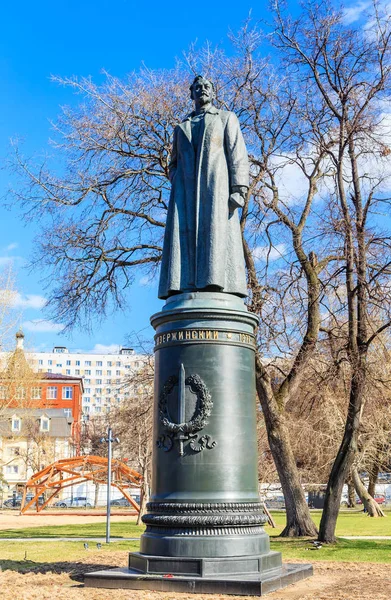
76	570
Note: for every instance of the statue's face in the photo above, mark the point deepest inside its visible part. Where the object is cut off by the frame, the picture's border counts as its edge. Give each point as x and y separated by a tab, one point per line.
202	92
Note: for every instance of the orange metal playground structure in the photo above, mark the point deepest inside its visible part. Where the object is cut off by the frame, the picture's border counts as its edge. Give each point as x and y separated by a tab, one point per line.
70	471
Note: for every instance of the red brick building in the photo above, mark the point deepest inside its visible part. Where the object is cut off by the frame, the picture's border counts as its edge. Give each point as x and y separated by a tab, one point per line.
65	392
21	387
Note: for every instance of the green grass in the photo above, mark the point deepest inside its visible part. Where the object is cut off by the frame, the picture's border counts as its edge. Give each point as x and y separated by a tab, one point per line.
123	529
350	522
376	551
353	522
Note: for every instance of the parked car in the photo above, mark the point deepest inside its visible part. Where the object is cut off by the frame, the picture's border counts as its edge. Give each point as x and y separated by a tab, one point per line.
11	503
124	501
75	501
379	500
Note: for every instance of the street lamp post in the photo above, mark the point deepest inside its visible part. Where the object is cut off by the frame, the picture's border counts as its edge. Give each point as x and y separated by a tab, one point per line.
109	440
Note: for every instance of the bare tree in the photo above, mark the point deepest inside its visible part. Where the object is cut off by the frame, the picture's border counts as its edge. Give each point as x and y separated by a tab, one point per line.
348	71
314	124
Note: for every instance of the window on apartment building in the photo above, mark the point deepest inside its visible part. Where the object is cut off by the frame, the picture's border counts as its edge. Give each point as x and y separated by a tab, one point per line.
50	371
108	381
118	364
67	392
118	372
118	381
67	372
87	391
98	399
50	362
36	393
87	372
21	393
87	399
68	412
109	363
68	363
14	451
51	392
87	381
98	409
16	424
77	371
40	362
98	390
77	363
108	391
86	409
11	469
59	365
98	382
108	400
45	424
98	372
108	372
99	363
87	363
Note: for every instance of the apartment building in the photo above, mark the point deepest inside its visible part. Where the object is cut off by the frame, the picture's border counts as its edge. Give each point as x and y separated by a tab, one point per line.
105	376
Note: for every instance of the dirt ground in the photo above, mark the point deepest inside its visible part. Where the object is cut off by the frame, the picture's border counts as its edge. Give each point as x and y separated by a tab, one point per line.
331	581
64	581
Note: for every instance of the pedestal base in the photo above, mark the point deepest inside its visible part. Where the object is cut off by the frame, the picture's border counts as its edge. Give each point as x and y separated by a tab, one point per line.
240	585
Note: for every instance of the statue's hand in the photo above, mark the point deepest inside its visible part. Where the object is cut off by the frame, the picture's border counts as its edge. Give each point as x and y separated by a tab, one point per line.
237	196
235	201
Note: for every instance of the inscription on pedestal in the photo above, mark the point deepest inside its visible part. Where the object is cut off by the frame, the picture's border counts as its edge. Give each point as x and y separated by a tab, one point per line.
214	336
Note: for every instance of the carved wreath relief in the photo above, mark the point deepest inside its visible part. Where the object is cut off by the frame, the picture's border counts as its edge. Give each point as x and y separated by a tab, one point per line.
182	430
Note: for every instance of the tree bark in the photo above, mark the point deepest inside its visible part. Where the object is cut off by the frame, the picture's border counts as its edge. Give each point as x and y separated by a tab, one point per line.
370	505
144	495
342	463
298	517
351	494
373	475
96	495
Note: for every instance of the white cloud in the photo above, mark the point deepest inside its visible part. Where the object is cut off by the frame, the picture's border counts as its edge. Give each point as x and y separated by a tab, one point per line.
6	261
147	281
266	253
12	246
354	13
28	301
42	326
105	349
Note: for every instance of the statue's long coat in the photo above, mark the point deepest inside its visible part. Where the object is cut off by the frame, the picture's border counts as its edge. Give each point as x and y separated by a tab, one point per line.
202	243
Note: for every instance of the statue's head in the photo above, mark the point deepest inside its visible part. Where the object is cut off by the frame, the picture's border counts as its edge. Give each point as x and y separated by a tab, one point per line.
202	91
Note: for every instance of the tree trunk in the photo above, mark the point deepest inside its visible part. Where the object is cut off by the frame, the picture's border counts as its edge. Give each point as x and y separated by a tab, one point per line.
343	461
96	495
144	496
373	474
298	517
370	505
351	494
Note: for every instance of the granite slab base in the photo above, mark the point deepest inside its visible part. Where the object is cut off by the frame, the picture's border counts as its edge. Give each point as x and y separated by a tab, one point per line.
239	585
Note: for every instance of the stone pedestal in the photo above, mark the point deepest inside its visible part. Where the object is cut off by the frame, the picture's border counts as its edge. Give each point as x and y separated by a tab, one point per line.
204	521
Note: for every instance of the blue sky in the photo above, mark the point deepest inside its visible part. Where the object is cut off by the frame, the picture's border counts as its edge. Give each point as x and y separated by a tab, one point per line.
81	38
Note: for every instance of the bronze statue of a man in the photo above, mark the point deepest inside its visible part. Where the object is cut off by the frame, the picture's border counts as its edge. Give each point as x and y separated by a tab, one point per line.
209	175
